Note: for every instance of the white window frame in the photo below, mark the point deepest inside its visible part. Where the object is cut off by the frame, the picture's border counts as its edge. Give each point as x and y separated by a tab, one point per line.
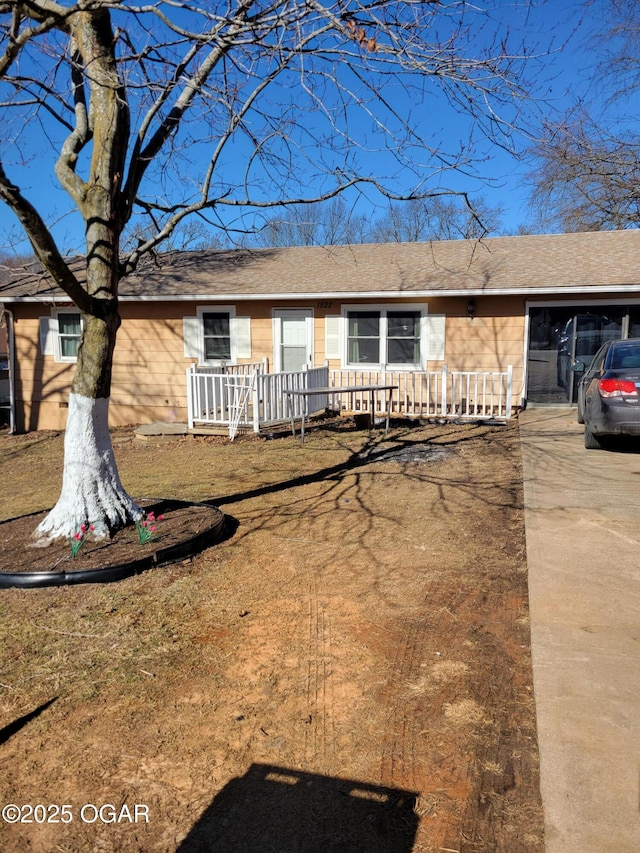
50	338
217	309
383	309
239	329
67	358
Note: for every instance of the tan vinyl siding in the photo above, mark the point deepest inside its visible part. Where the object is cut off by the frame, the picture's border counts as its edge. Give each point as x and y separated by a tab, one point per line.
261	329
149	364
490	341
41	385
148	380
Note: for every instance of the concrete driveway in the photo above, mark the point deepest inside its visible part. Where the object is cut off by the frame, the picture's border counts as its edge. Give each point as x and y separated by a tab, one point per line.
582	511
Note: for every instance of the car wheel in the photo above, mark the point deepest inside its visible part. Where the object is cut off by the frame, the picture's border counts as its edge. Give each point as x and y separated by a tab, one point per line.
580	415
591	441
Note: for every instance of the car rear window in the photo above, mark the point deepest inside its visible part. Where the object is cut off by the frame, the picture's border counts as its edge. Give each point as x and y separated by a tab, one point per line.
625	358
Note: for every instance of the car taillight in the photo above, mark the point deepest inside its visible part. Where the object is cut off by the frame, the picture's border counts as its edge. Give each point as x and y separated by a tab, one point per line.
617	388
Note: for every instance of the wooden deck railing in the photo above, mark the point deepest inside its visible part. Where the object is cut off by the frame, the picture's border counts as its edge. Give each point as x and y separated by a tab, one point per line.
220	399
270	403
434	394
246	396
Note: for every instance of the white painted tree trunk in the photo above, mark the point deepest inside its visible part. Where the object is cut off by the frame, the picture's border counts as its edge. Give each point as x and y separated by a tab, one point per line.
92	493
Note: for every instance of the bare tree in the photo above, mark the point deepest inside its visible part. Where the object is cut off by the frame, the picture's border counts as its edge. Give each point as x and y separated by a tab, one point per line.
618	45
450	217
587	162
586	178
437	217
152	113
329	223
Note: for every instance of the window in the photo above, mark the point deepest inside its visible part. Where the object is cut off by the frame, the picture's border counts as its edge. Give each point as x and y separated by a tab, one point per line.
363	342
60	334
403	337
389	337
69	332
217	336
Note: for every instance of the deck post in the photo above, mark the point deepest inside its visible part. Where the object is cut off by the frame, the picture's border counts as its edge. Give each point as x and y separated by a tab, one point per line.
190	397
509	390
443	391
255	399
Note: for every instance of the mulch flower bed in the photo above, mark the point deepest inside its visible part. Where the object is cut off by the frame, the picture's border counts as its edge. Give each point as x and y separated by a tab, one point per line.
181	530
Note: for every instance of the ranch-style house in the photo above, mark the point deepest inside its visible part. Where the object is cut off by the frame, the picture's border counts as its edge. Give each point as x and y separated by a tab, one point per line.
214	339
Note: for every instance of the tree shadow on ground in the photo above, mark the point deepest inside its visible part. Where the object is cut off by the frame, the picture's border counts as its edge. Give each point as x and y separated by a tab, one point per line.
14	727
373	450
276	808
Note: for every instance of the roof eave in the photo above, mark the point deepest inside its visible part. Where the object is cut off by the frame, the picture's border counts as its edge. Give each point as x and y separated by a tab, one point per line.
226	296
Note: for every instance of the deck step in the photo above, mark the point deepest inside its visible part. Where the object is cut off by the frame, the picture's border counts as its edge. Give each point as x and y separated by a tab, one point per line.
160	431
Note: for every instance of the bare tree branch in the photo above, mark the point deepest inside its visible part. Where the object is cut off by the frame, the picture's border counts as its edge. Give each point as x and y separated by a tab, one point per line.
44	246
587	179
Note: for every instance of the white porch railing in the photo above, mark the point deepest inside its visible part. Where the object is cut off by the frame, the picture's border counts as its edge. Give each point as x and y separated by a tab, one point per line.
246	396
249	399
441	393
212	398
270	403
224	369
418	394
479	395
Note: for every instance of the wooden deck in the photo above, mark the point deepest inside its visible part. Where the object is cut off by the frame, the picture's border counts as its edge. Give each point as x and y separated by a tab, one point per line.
248	398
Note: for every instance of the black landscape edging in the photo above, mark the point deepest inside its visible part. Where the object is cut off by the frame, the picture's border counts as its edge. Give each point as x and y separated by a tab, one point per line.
110	574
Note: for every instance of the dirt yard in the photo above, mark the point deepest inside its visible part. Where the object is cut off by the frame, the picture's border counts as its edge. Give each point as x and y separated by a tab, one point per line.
348	670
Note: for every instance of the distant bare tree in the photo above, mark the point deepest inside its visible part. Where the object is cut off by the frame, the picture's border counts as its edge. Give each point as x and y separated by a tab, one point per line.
436	218
618	43
325	224
13	265
587	163
586	179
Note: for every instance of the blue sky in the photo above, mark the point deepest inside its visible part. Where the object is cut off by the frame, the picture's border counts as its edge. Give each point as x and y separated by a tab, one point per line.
563	74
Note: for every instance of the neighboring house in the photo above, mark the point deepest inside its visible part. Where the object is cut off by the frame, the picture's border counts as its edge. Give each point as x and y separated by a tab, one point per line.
531	303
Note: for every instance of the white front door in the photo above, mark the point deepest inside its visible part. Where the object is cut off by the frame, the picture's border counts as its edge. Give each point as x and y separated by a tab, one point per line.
293	338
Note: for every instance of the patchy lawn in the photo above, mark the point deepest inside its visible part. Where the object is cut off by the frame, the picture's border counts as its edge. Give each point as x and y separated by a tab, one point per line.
348	671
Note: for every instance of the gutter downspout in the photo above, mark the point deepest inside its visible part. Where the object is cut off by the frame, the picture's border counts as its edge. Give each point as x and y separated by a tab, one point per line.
7	317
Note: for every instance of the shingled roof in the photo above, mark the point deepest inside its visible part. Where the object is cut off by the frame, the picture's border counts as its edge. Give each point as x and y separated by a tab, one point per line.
594	262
